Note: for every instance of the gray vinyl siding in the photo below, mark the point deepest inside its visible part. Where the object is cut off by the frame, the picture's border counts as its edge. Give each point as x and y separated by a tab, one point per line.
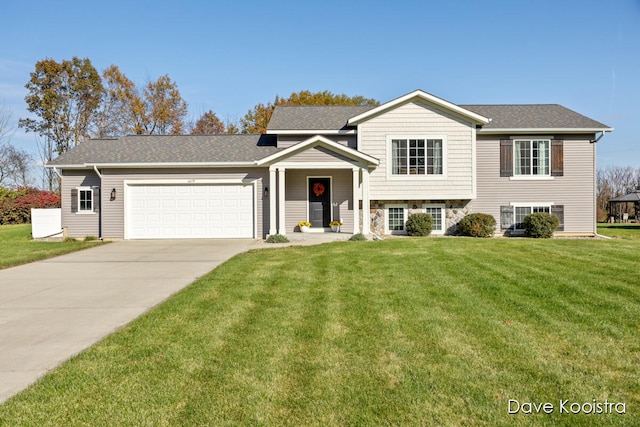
420	119
317	154
296	196
285	141
575	190
113	211
79	225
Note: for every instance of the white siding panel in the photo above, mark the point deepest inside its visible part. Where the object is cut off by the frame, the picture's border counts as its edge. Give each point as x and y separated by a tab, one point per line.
417	119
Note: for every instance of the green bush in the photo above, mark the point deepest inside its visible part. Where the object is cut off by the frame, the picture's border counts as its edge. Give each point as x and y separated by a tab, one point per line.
277	238
478	225
540	225
419	224
358	237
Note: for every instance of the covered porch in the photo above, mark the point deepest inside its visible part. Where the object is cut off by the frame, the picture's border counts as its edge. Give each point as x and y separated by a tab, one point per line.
319	181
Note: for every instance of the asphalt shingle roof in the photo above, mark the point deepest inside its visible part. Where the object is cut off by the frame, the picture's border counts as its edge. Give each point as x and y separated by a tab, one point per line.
170	149
313	118
525	116
533	116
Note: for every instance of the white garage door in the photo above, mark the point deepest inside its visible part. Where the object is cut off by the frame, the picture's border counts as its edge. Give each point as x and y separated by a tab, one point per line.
190	211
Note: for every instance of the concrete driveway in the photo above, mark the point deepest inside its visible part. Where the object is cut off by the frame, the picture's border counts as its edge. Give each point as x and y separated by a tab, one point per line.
53	309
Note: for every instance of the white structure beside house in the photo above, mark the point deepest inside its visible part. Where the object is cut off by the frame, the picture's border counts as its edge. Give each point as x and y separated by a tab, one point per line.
368	167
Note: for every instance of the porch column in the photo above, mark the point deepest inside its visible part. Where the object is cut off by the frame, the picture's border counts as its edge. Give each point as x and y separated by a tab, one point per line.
356	200
272	201
281	208
366	203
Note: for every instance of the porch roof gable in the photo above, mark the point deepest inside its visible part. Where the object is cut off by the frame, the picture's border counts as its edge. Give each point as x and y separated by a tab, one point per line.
315	141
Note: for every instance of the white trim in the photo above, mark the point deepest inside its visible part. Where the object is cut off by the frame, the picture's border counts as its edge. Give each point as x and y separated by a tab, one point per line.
318	165
366	203
355	194
313	142
515	205
443	216
187	182
93	201
282	227
386	219
543	130
426	177
273	193
531	176
424	96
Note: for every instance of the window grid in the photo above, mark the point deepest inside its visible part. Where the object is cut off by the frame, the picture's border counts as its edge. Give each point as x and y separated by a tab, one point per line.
532	157
416	156
396	219
85	200
436	215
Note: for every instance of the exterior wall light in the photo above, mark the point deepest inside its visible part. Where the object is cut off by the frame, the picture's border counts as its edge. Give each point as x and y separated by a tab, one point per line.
113	194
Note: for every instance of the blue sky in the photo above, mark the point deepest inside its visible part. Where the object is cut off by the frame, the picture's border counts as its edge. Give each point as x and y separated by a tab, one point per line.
228	56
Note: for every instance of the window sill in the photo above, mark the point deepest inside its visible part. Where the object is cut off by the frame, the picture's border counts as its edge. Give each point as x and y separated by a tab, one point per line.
85	213
416	177
531	178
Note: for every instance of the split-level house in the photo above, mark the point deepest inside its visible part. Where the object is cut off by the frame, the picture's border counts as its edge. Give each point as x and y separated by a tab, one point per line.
367	167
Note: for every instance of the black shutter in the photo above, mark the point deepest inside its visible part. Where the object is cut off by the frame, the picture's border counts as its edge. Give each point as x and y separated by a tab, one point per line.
96	199
506	217
506	157
74	200
558	211
557	157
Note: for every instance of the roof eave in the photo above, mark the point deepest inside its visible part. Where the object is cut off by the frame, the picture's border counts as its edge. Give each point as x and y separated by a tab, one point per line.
542	130
154	165
312	132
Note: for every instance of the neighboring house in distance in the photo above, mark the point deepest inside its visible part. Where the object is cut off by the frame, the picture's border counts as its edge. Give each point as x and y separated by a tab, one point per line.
368	167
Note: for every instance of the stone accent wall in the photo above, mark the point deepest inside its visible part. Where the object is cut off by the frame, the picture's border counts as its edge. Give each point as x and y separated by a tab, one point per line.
454	211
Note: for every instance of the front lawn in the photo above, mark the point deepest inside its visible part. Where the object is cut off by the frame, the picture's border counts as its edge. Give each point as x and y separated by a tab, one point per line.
17	247
408	331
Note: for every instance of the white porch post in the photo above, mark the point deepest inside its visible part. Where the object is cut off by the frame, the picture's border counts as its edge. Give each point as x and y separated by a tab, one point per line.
356	200
366	202
272	201
281	224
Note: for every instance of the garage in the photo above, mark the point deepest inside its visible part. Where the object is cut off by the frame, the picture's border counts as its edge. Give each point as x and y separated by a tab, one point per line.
188	211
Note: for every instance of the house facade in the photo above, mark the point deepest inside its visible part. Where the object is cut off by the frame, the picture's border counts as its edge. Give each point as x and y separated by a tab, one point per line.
367	167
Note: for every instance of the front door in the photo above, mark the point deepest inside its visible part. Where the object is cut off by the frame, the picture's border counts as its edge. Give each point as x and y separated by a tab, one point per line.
319	202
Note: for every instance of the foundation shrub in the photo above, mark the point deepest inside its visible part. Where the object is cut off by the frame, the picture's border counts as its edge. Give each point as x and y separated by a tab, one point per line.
478	225
540	225
419	224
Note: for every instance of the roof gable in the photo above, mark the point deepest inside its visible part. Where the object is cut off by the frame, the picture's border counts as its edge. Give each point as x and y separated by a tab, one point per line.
316	141
422	96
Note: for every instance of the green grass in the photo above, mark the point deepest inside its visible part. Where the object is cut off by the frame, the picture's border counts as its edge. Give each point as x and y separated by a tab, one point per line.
17	247
620	231
402	332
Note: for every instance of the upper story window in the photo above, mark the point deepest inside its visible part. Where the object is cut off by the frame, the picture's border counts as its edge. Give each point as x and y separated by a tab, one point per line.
532	157
417	156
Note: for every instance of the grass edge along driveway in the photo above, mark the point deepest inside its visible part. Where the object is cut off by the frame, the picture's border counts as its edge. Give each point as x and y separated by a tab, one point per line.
402	332
17	247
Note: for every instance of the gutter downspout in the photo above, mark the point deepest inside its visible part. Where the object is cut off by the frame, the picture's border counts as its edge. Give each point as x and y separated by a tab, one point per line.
95	168
56	172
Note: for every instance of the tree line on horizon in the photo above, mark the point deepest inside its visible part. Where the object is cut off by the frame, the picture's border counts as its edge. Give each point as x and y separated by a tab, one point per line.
73	102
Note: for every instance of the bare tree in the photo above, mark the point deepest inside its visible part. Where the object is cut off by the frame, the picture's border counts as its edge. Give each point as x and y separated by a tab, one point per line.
15	163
